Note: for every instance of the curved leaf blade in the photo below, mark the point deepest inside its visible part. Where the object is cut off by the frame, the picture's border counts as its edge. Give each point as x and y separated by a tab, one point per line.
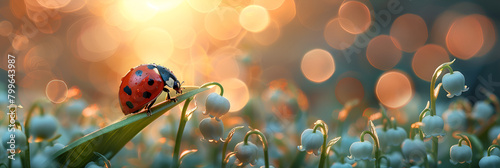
112	138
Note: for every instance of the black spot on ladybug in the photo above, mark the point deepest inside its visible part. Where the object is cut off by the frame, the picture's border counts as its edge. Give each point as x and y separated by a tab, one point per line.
151	66
146	94
127	90
138	72
151	81
129	104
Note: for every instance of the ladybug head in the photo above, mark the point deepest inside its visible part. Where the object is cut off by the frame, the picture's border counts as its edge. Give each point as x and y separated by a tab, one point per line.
177	86
169	78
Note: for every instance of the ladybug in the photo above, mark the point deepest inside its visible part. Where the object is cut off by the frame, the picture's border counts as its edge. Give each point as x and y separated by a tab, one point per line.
141	86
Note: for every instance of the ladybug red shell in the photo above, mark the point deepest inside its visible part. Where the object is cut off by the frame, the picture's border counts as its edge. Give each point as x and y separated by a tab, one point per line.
141	86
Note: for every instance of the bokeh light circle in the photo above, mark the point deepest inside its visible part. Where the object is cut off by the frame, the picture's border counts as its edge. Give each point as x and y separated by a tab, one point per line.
410	31
5	28
56	91
254	18
53	4
465	37
348	89
394	89
356	17
236	91
285	13
269	4
204	6
317	65
153	45
382	52
223	23
268	35
489	34
97	42
336	36
427	59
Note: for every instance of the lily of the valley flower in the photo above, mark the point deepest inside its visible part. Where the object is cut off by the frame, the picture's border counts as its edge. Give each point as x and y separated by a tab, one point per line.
19	139
413	150
43	126
455	119
246	153
361	150
341	165
492	161
433	125
396	136
482	111
454	84
216	105
211	129
460	154
311	141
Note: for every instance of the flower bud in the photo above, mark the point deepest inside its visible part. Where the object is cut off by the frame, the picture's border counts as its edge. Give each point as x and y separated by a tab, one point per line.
246	153
413	150
454	84
492	161
211	129
75	108
460	154
216	105
482	111
361	150
43	126
433	125
311	141
382	137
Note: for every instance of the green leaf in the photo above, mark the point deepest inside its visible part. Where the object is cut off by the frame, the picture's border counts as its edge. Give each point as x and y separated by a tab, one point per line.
111	139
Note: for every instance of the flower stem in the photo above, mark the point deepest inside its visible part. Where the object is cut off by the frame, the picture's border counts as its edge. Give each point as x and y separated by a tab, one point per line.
214	83
433	98
264	143
377	150
226	142
491	148
324	128
178	138
386	159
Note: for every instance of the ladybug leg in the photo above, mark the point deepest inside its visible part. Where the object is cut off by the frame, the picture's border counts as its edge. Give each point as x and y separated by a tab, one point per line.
168	95
148	107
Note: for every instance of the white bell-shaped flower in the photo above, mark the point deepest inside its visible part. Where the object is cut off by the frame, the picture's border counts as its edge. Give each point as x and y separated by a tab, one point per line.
492	161
246	153
311	141
396	136
433	125
212	129
216	105
43	126
455	119
361	150
413	150
340	165
15	137
482	111
460	154
454	84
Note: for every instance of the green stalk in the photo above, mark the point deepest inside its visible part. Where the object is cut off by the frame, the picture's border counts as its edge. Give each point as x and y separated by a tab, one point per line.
376	143
324	128
178	138
183	121
433	98
264	144
226	142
